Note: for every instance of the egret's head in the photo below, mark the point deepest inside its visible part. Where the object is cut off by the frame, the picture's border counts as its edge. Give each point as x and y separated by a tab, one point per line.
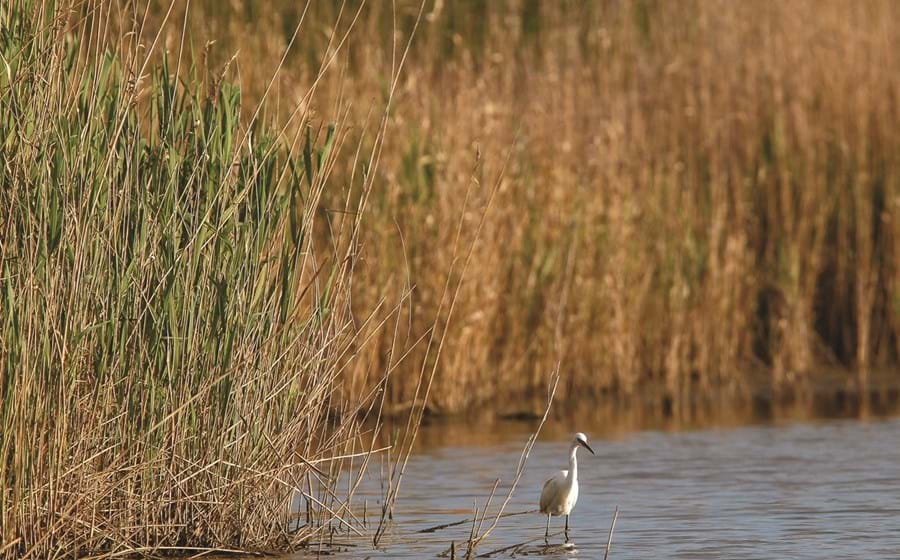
581	439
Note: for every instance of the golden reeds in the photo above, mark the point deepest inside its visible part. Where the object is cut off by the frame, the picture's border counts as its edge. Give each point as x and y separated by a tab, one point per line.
702	197
693	198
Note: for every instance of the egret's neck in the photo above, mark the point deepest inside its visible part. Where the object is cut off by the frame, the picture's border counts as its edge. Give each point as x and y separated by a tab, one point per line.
573	462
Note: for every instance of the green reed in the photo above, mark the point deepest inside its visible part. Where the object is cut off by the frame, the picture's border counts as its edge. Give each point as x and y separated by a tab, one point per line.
172	330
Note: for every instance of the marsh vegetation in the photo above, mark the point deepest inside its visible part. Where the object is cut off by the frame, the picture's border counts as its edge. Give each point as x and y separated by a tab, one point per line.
234	236
698	200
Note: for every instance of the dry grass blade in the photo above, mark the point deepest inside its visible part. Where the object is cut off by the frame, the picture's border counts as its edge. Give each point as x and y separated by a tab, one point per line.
612	527
464	521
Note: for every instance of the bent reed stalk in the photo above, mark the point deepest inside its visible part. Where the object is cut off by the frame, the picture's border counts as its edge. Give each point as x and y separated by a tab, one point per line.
174	300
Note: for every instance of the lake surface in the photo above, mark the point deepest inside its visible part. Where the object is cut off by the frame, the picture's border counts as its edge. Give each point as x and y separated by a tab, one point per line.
813	490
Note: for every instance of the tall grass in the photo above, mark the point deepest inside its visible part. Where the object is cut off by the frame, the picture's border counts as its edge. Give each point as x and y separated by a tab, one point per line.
174	324
675	201
702	197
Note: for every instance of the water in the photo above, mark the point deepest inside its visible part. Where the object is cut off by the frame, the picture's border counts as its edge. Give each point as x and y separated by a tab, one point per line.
814	490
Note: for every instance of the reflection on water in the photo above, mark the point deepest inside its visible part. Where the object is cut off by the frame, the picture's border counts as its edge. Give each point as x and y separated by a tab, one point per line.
813	490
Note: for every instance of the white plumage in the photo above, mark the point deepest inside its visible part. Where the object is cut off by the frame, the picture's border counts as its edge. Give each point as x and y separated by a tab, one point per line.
560	492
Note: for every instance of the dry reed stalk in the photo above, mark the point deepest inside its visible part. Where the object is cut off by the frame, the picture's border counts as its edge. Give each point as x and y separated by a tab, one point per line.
612	528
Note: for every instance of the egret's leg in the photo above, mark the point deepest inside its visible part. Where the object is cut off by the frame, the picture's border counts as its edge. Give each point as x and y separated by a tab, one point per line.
567	527
547	532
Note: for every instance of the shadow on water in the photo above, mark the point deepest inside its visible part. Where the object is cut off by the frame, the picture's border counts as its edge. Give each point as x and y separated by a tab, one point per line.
834	395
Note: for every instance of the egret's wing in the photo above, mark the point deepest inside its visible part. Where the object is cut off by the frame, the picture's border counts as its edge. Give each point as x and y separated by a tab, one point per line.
551	490
547	495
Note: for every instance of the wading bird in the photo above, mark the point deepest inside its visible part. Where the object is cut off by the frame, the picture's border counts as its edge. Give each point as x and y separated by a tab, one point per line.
561	492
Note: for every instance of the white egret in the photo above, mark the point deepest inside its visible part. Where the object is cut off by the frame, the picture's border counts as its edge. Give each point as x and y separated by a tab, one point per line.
561	491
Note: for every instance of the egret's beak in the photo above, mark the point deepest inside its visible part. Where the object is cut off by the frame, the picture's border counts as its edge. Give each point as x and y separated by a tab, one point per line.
588	447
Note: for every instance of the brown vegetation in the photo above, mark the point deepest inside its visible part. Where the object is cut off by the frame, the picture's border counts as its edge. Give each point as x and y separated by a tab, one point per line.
683	199
700	196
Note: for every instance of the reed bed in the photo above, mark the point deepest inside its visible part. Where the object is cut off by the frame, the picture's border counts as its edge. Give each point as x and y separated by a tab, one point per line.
217	245
701	198
176	310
